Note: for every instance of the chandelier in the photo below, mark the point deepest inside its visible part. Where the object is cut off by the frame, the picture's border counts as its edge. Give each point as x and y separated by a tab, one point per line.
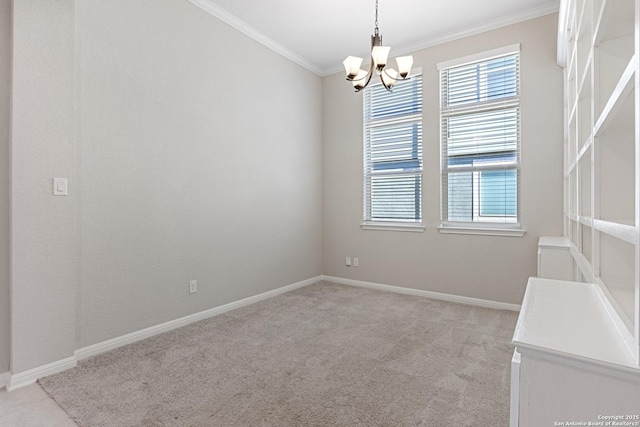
361	78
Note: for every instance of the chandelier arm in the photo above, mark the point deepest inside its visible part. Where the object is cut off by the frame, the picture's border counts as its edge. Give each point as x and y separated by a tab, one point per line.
368	76
369	73
399	77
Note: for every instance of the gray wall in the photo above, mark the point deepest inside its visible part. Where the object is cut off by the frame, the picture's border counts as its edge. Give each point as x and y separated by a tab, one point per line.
192	152
44	249
5	103
201	160
487	267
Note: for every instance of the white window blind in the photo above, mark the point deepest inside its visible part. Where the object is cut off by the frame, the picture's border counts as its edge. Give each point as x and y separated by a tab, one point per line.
480	140
393	152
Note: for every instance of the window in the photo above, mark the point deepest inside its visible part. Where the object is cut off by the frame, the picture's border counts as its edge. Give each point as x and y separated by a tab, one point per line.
480	140
393	153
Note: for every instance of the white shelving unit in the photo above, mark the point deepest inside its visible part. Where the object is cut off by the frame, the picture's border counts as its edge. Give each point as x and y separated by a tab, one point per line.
602	199
578	339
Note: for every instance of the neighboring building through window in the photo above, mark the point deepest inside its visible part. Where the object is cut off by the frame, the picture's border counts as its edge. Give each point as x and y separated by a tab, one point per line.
393	153
480	139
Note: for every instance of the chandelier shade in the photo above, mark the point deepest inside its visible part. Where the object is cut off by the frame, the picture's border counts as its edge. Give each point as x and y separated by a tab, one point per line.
379	57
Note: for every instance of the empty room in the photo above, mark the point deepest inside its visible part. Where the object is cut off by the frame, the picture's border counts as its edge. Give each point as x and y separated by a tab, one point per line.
319	213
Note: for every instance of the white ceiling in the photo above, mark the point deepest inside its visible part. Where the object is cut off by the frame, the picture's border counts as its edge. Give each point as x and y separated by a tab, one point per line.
320	34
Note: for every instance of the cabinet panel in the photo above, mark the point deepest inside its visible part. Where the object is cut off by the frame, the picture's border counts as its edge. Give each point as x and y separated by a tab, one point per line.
616	165
617	268
572	394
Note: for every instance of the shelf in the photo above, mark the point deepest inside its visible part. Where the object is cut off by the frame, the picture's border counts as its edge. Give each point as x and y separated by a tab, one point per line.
553	242
617	271
625	232
569	320
616	19
613	49
618	95
615	169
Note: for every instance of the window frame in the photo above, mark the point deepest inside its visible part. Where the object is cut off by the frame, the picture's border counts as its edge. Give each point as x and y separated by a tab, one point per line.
480	224
369	223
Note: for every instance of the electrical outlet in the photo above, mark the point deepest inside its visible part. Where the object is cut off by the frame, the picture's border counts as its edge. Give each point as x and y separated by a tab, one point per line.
193	286
347	261
356	262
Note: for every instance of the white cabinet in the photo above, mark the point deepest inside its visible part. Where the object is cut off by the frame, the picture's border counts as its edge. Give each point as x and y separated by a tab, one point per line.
573	363
554	258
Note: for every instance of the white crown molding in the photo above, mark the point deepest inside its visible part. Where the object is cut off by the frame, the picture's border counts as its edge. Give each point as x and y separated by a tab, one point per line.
542	10
425	294
210	7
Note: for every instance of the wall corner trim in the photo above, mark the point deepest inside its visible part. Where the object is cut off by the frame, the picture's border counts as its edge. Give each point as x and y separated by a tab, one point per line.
426	294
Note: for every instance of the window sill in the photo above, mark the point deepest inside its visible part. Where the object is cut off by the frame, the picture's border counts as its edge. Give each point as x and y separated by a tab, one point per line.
516	231
393	226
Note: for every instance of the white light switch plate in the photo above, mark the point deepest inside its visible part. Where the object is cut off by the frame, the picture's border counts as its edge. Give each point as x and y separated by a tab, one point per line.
60	186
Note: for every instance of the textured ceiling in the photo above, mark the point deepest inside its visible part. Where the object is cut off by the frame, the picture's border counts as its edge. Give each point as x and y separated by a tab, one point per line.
320	34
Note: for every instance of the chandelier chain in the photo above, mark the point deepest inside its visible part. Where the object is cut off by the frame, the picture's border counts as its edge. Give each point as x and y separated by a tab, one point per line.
376	23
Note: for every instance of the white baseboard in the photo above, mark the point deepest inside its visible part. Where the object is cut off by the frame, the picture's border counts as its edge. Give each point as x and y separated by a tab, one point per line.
25	378
111	344
12	382
426	294
4	379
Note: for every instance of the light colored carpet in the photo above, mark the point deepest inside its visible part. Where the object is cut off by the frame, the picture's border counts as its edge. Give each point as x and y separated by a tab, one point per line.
323	355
